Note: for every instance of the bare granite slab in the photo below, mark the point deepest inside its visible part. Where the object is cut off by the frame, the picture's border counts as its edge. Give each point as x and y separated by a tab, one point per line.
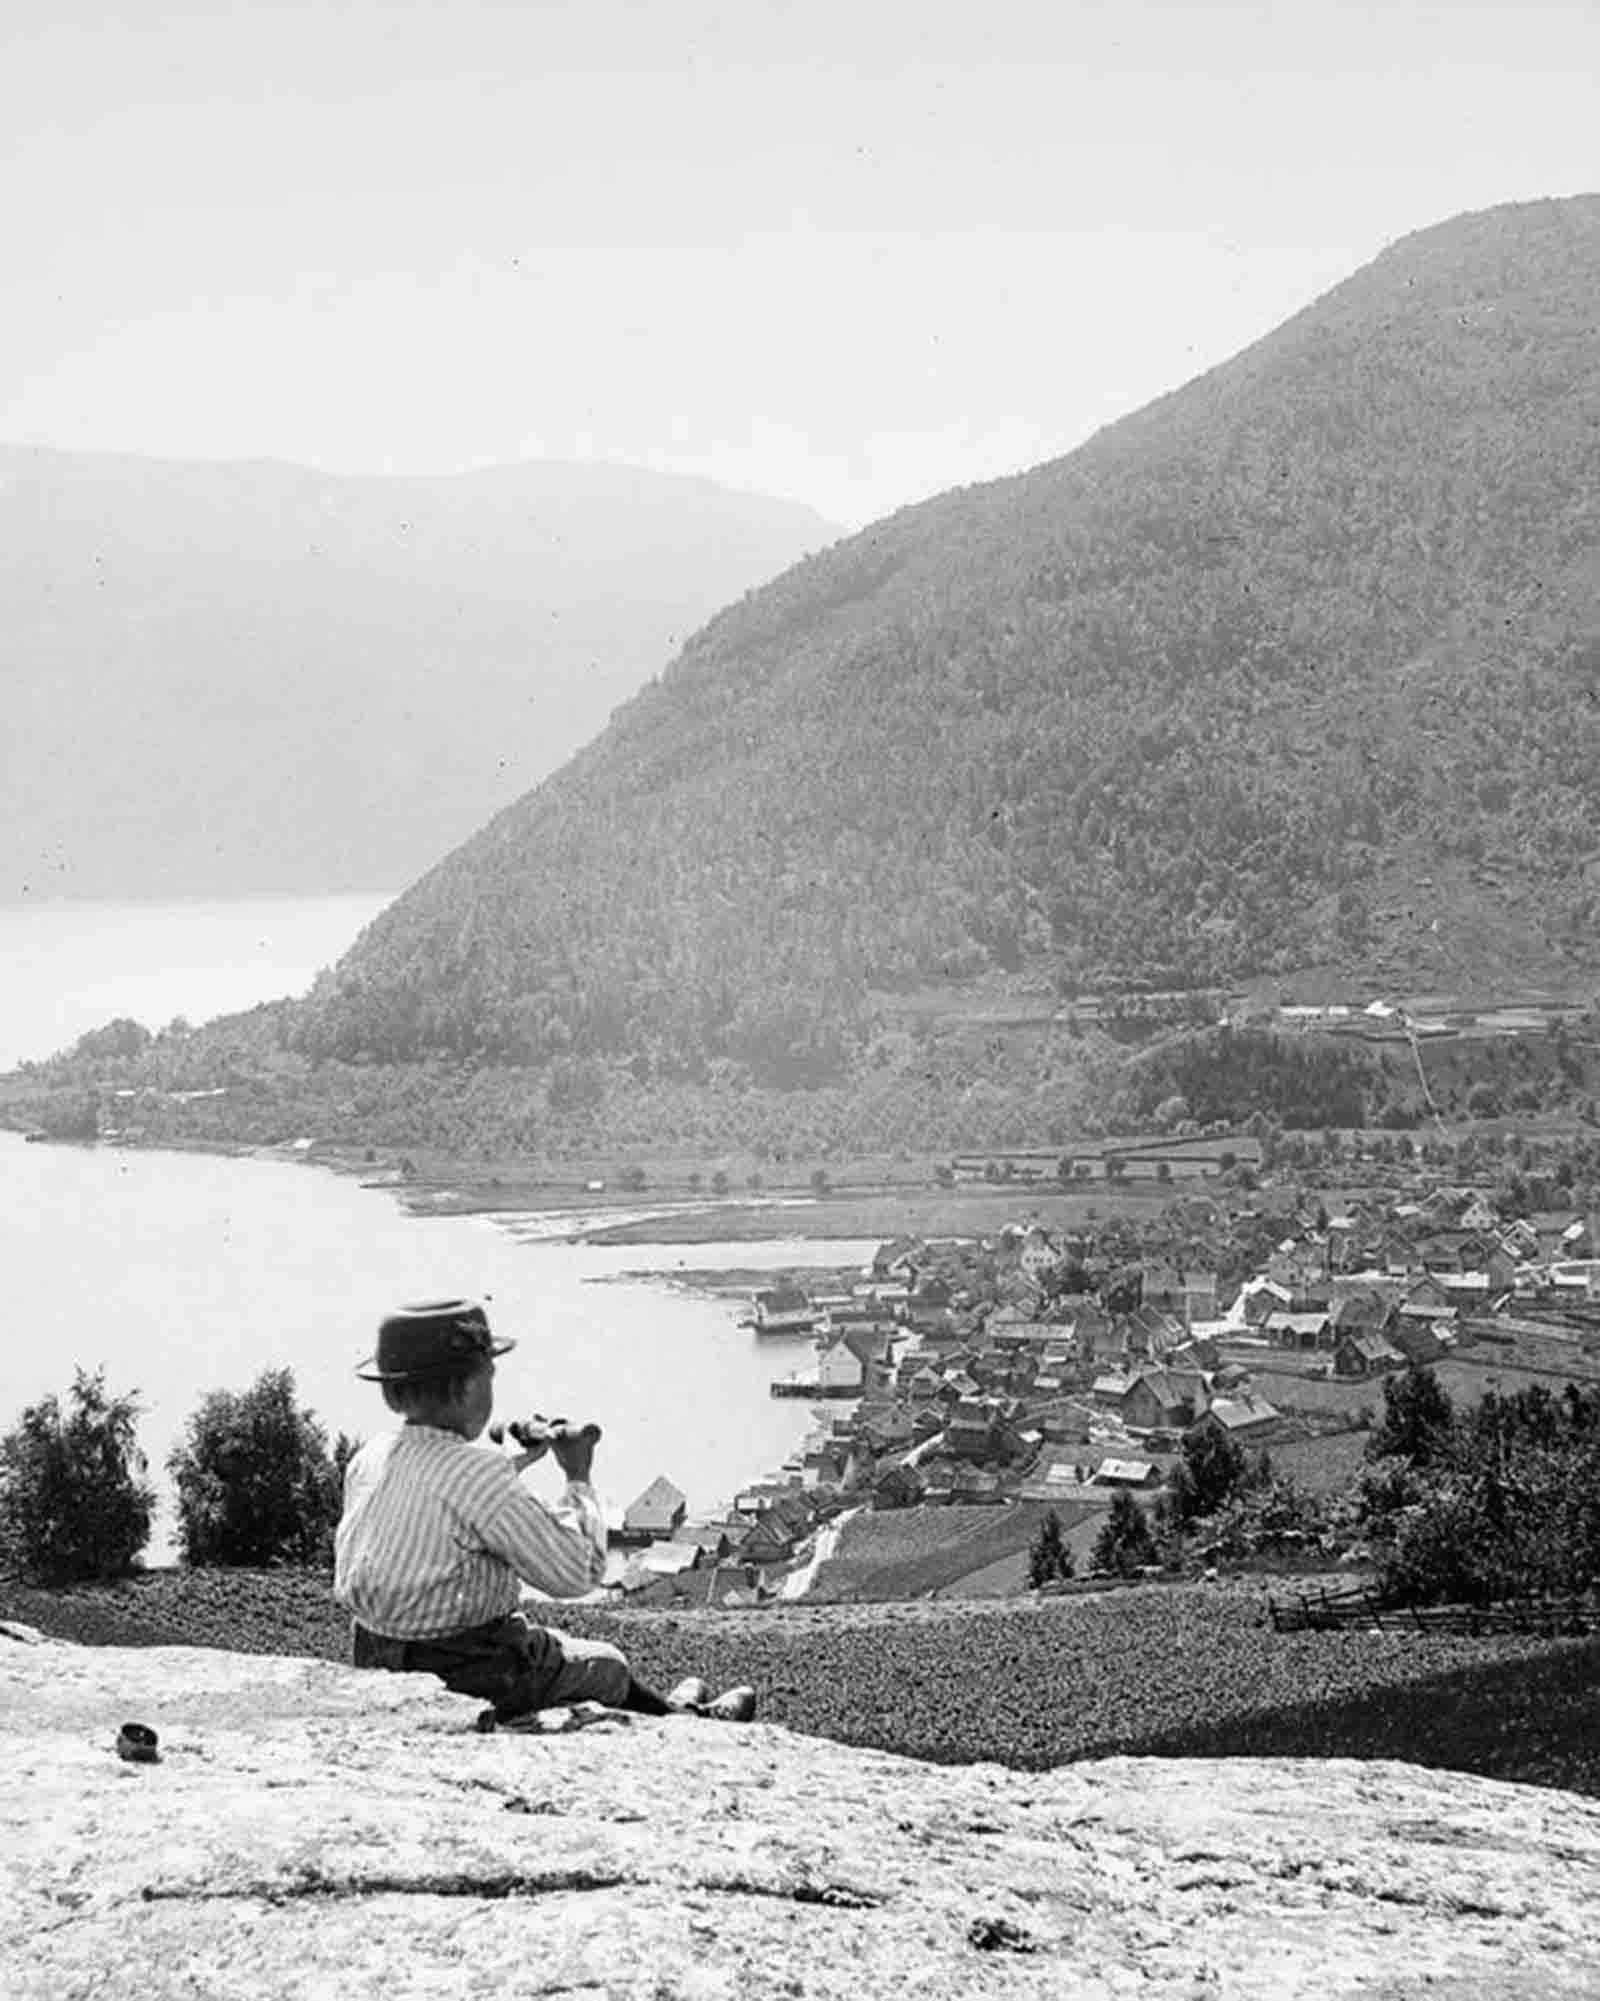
309	1831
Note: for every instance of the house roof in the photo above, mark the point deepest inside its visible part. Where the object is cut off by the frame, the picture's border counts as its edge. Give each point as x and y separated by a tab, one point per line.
1009	1315
660	1495
704	1535
1169	1388
1373	1346
1253	1288
1296	1323
768	1535
1240	1413
783	1299
1361	1309
867	1344
1135	1470
666	1559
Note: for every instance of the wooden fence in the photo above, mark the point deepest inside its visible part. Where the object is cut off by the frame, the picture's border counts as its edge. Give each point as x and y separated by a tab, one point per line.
1360	1607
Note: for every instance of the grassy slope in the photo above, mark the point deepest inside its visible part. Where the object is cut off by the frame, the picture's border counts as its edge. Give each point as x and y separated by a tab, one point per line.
1181	1671
882	1558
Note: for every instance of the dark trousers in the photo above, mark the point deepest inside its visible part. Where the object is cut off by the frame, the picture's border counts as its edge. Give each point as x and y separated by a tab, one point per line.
508	1663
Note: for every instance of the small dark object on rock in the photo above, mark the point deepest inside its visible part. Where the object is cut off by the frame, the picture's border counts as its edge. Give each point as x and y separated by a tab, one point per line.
1000	1935
837	1896
138	1743
487	1722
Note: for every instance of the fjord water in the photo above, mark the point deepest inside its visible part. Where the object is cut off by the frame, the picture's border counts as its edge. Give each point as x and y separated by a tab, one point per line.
68	967
183	1273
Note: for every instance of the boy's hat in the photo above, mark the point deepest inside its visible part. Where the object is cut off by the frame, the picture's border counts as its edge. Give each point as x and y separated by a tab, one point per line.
439	1337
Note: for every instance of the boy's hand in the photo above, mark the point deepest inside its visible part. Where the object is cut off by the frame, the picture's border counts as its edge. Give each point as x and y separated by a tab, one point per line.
574	1451
573	1446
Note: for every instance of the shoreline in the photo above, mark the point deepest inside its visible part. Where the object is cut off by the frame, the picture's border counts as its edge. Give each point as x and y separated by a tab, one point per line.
914	1206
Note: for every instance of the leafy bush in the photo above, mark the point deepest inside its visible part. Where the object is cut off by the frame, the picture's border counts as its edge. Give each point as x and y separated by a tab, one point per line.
73	1499
256	1482
1506	1501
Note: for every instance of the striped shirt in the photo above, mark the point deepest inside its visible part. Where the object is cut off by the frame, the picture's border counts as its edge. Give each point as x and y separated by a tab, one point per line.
437	1532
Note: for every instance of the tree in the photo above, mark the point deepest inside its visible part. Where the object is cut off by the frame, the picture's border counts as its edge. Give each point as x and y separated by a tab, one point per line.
719	1182
74	1502
1048	1555
1124	1545
1416	1421
122	1038
820	1184
256	1482
634	1179
1211	1470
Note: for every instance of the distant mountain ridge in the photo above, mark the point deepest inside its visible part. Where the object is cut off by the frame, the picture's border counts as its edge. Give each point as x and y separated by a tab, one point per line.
1297	667
253	678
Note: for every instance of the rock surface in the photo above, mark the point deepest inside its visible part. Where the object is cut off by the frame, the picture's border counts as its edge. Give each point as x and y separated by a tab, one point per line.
312	1831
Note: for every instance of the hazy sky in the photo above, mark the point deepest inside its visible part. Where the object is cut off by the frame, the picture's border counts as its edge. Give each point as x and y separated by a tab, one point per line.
852	253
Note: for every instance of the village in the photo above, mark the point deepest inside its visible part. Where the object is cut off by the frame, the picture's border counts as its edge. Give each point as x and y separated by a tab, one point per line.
1029	1366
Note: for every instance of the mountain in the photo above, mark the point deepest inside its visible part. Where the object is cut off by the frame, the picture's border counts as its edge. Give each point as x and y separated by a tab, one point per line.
1296	668
253	678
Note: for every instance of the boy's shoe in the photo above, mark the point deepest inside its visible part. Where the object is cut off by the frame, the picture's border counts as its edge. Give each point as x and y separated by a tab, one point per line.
690	1693
734	1705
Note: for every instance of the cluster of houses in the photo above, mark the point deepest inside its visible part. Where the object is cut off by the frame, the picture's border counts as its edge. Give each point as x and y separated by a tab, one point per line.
1379	1286
996	1370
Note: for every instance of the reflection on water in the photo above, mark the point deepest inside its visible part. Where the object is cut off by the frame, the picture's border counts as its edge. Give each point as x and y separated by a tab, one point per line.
183	1273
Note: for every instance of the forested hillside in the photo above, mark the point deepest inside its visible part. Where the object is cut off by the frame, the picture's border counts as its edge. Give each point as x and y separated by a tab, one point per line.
1298	666
246	679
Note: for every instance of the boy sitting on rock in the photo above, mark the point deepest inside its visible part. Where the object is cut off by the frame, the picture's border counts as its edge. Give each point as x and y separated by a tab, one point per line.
437	1536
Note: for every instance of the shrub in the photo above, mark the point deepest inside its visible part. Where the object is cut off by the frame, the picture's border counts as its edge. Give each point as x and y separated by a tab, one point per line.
256	1482
74	1502
1508	1503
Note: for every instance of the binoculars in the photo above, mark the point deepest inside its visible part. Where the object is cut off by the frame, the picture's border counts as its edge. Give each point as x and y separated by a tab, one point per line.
539	1433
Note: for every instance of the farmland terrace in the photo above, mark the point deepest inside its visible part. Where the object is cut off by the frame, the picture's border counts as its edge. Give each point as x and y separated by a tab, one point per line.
1180	1671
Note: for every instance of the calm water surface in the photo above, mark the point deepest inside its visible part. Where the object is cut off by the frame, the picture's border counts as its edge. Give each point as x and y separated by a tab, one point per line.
68	967
183	1273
